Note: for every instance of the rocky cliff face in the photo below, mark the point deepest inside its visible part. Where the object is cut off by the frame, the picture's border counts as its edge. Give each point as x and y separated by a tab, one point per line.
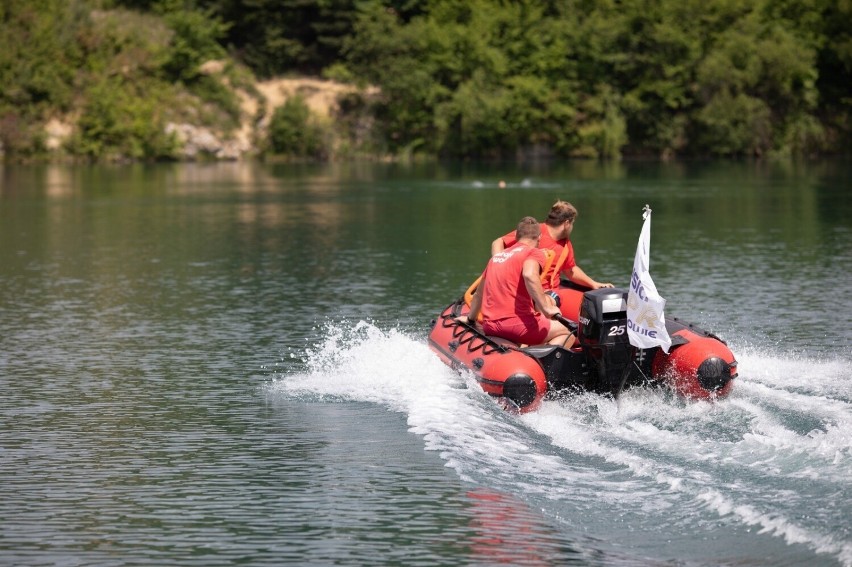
257	106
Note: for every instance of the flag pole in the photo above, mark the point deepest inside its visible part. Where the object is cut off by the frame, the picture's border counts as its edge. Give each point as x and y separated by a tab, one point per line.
646	325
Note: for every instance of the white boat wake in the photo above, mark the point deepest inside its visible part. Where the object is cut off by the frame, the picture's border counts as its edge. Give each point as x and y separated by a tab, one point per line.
773	460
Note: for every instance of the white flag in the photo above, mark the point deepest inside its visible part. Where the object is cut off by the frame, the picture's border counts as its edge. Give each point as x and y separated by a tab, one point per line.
646	324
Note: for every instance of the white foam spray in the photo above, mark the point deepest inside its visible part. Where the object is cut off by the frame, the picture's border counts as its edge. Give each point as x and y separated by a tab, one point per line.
776	455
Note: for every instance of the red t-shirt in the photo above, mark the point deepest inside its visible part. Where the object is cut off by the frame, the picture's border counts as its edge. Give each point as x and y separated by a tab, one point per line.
551	278
505	293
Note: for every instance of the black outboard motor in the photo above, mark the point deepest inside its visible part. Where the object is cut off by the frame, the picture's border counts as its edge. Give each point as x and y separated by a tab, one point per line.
603	336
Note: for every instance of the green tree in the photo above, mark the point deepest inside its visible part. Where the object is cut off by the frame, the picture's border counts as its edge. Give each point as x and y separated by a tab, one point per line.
460	78
826	25
195	40
469	78
756	88
284	36
38	57
387	52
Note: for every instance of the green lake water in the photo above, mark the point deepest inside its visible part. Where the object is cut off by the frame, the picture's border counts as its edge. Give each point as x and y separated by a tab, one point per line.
213	364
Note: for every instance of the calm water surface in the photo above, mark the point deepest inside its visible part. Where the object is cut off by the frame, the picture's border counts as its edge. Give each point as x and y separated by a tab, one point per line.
226	363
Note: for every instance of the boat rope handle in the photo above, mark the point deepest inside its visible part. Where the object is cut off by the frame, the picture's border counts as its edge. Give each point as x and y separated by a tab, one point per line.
466	333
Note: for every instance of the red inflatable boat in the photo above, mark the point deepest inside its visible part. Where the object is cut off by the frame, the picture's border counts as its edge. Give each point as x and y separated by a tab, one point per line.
699	365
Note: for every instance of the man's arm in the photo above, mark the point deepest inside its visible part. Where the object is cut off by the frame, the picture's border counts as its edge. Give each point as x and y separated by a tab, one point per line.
532	279
476	302
578	276
498	246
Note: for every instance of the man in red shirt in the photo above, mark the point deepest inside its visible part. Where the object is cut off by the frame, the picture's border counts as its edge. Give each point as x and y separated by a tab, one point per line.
555	235
510	296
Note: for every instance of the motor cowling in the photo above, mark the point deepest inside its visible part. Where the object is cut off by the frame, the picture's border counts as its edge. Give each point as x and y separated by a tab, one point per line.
602	334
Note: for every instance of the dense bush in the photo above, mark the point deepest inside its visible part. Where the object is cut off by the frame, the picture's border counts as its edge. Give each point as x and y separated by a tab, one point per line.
295	132
119	123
